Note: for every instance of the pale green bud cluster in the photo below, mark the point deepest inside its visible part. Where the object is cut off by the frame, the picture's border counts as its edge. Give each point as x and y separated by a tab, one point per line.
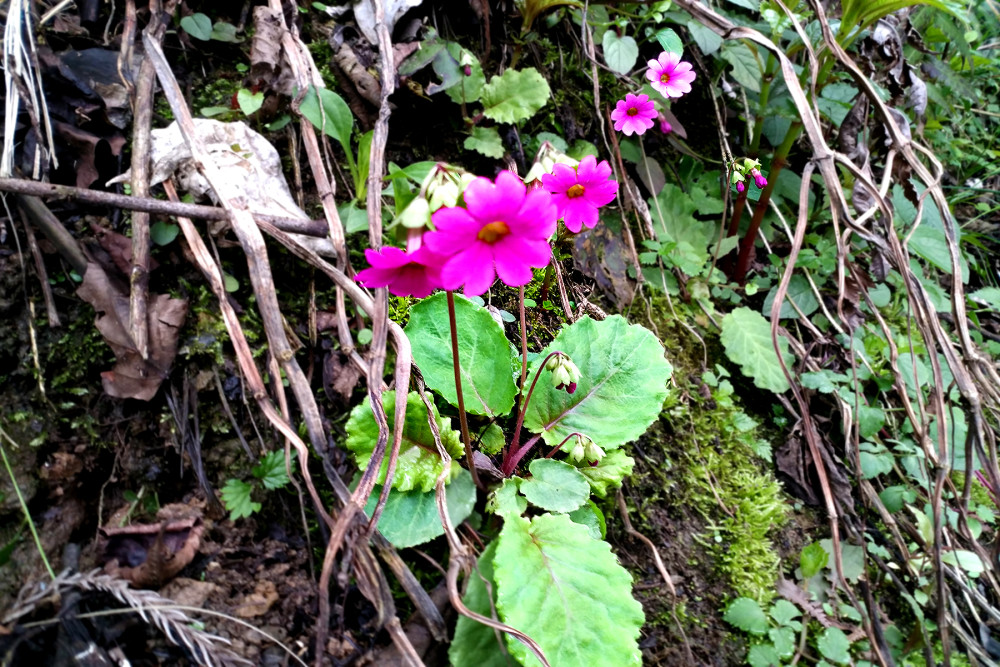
548	156
587	450
565	374
443	186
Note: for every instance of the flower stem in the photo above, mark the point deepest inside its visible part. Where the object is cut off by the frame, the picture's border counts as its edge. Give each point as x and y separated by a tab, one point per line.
555	449
524	345
516	458
512	456
466	440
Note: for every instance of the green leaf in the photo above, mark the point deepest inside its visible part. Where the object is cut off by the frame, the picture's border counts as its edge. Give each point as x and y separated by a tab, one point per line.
784	612
746	69
608	473
492	440
225	32
746	336
875	460
989	296
763	655
852	557
706	39
469	88
515	95
485	140
591	516
555	486
249	102
784	641
334	117
506	502
834	645
483	351
746	614
231	284
813	559
871	419
752	5
419	464
670	41
967	560
686	239
894	497
620	53
867	12
198	26
236	498
411	517
567	590
622	373
163	233
475	643
271	470
353	218
799	292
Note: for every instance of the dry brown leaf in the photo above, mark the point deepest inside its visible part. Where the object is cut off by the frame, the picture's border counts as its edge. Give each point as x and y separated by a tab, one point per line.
600	254
149	554
132	377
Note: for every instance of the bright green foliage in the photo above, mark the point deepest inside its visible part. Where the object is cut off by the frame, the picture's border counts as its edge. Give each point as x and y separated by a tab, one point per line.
271	470
334	118
491	440
566	589
813	559
670	41
474	643
620	53
799	292
747	615
468	88
746	68
685	240
236	498
591	516
867	12
515	95
555	486
834	645
746	335
763	655
483	351
418	465
249	101
485	140
623	374
506	502
411	517
608	473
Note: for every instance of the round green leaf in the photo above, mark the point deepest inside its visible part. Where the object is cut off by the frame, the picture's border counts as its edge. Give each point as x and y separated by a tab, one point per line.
515	95
622	386
834	645
608	473
198	26
763	655
621	53
555	486
746	614
567	590
799	292
419	464
670	41
411	517
249	101
468	88
163	233
483	351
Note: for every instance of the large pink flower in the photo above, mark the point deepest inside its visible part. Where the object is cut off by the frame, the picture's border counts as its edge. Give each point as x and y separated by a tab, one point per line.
416	273
578	193
633	114
669	75
503	230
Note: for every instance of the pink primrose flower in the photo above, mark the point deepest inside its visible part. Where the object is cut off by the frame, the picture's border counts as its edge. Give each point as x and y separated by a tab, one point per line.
578	193
665	126
758	178
503	230
633	114
415	273
670	75
740	187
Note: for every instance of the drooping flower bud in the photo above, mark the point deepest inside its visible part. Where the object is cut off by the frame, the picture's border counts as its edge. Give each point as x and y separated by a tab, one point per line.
740	187
758	178
565	374
578	452
593	453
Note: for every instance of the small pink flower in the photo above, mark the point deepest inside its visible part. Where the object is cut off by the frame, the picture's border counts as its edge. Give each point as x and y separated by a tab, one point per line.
578	193
740	187
669	75
633	114
503	230
665	126
758	178
416	273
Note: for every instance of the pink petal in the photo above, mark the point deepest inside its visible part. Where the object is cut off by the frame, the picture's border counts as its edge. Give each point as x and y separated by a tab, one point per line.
531	252
580	211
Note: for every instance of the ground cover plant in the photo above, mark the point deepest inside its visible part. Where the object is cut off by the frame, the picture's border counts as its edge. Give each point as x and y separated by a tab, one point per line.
531	333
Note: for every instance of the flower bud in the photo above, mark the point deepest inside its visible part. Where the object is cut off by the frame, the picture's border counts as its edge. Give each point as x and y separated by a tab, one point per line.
578	452
467	70
548	156
740	187
593	453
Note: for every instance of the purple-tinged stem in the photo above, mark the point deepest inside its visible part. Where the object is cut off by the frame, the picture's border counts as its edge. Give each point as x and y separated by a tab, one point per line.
512	453
458	389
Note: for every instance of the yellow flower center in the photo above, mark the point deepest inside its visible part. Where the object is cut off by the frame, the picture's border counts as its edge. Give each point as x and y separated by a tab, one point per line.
575	191
633	111
665	78
493	232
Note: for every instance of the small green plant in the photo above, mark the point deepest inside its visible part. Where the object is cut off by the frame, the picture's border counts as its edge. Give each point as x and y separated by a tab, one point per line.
269	473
